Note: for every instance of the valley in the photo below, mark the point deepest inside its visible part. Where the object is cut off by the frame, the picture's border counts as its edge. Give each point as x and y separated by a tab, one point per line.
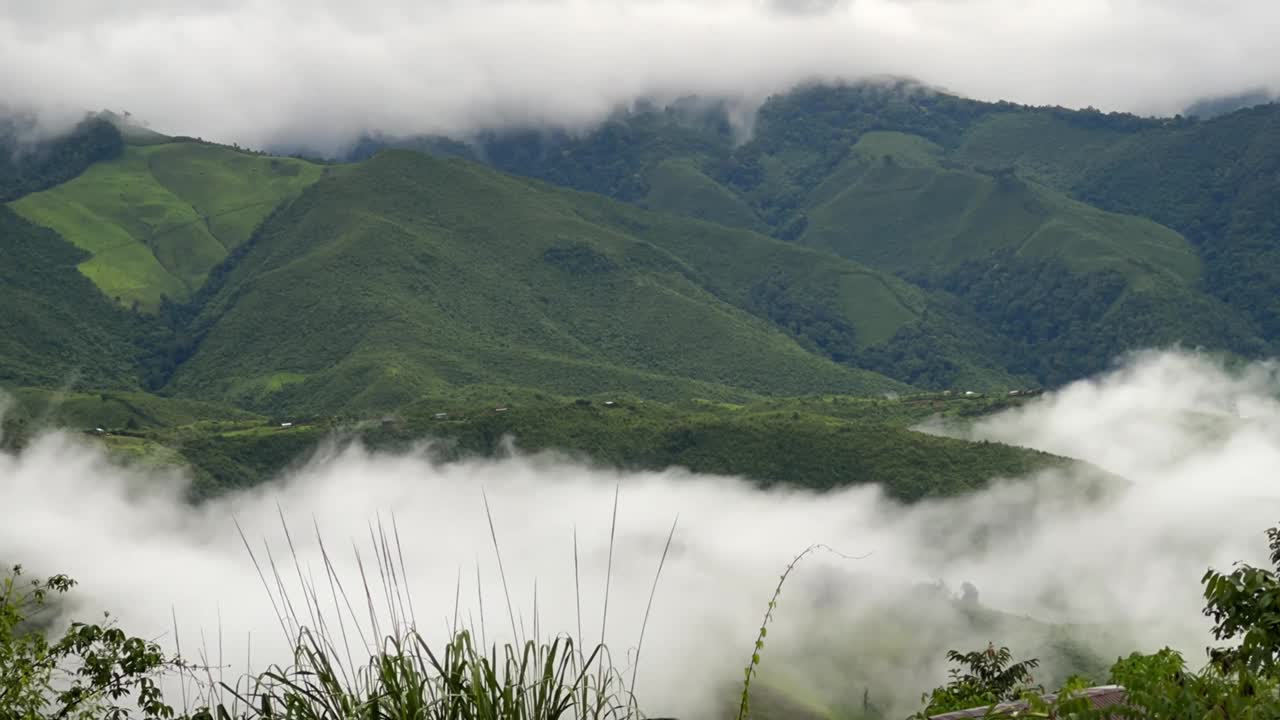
974	345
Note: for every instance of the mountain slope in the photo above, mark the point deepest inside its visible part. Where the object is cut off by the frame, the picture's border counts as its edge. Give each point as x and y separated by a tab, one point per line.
1216	182
1213	181
56	329
992	245
1047	240
406	275
893	205
156	219
1069	286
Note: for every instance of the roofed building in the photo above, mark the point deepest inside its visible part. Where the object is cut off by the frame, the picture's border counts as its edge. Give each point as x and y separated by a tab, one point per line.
1103	696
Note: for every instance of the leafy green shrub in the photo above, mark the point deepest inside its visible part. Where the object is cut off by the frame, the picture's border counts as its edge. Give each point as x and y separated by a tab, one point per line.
1240	682
985	677
82	674
1245	604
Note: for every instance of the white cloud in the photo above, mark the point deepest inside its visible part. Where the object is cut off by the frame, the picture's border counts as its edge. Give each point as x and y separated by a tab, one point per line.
257	72
1198	443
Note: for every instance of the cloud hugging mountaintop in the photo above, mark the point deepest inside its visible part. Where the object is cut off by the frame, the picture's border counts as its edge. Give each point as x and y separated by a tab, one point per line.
258	72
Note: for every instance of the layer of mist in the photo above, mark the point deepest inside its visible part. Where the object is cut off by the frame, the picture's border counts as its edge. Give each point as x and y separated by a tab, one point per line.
266	73
1196	442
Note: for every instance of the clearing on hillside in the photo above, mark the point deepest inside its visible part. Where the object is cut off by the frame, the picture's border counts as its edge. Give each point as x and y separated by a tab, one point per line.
157	219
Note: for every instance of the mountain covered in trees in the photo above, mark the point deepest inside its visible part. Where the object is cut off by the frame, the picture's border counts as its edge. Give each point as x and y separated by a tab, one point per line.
854	240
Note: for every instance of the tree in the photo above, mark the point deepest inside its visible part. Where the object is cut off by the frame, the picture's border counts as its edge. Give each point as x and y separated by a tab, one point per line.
81	675
985	677
1161	686
1245	604
1238	682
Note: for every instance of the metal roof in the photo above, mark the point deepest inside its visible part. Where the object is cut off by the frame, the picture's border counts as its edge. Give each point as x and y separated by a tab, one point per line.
1099	697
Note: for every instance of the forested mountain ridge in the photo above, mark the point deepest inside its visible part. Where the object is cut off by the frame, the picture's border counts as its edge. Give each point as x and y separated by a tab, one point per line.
406	275
1154	230
917	237
865	241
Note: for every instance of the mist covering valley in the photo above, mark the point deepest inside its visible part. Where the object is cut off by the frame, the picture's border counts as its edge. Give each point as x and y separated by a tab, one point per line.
1194	442
595	320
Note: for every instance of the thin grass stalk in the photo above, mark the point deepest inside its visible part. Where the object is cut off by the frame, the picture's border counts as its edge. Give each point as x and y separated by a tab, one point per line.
577	586
319	623
395	531
608	577
457	602
502	573
653	589
335	587
261	576
286	601
177	646
399	582
381	565
368	594
608	573
312	611
484	639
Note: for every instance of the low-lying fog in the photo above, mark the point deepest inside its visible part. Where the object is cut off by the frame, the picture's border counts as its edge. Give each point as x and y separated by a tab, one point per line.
1198	443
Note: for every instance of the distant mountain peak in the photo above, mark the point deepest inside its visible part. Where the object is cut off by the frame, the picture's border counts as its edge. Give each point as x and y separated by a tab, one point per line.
1212	107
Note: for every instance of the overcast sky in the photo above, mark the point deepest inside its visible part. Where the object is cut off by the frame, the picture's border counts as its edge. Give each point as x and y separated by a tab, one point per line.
257	72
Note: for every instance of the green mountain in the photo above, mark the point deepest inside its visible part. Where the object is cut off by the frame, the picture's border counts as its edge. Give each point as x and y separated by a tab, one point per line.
336	294
864	240
1061	238
57	328
407	275
995	245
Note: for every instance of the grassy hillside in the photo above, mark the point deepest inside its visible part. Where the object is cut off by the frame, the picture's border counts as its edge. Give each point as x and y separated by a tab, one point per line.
407	274
156	219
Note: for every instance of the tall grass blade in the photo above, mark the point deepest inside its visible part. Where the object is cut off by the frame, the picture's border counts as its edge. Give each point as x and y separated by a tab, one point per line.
493	533
653	590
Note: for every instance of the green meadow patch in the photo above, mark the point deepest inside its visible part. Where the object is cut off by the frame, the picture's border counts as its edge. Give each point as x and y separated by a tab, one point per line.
158	218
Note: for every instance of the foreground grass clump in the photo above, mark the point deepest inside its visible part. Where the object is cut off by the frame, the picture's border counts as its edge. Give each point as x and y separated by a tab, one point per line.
408	679
405	678
97	671
94	671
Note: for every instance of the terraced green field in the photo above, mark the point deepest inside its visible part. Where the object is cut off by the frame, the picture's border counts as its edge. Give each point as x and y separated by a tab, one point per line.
158	218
